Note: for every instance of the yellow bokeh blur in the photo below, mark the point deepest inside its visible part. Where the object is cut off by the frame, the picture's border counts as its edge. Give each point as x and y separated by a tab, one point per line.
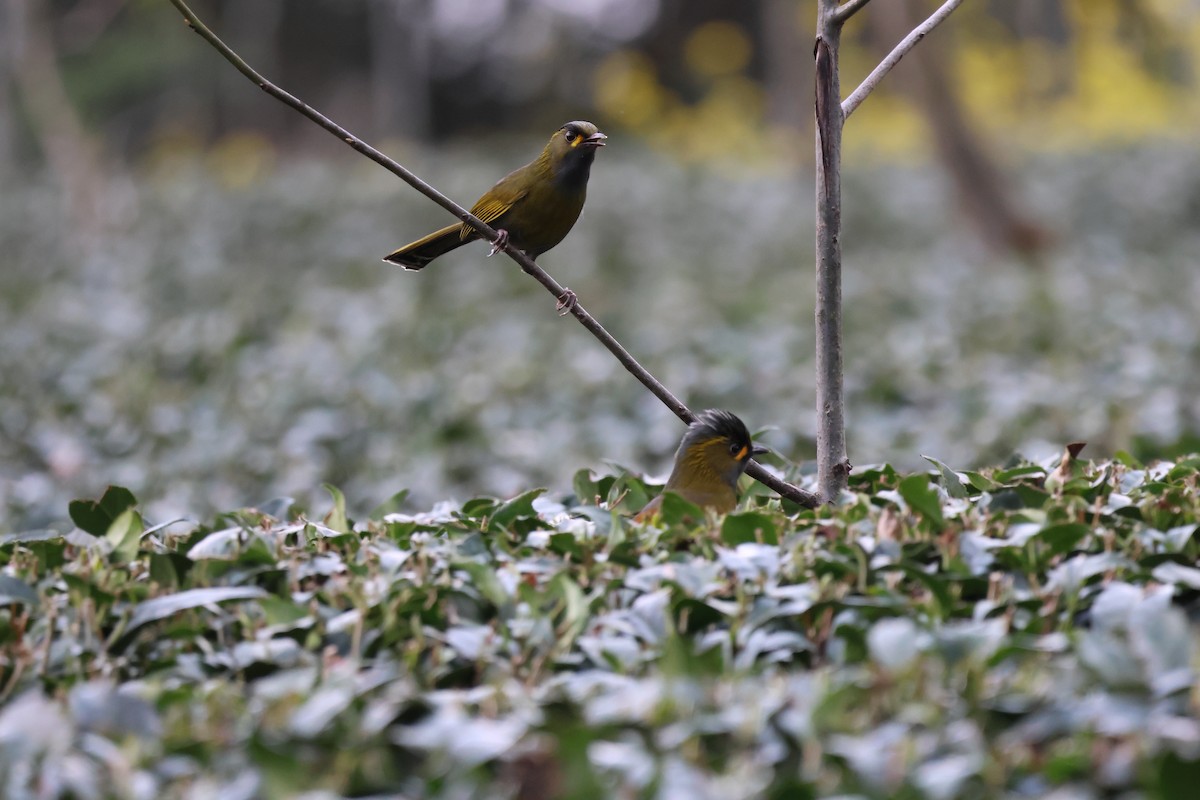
1026	92
717	48
241	158
627	89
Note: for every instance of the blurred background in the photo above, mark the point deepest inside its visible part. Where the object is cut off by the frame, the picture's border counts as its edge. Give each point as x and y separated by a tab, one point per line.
192	302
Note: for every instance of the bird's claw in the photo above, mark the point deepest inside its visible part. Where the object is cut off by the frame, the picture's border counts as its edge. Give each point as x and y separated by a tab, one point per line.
499	243
566	302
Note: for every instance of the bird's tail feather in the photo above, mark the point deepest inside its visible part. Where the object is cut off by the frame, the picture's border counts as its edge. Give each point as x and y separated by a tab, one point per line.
426	249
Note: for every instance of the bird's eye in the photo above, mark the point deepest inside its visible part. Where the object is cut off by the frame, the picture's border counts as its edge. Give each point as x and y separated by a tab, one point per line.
734	449
570	135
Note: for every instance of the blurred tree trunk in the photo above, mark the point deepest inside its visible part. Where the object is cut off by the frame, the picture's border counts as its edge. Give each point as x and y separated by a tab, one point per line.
1044	18
401	59
787	65
8	153
981	186
70	151
255	25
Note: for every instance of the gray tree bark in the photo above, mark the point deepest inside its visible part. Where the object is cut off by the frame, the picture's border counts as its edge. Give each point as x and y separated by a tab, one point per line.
833	468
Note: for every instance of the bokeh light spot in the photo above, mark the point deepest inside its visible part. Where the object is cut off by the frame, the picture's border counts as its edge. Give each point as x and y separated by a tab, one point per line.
717	48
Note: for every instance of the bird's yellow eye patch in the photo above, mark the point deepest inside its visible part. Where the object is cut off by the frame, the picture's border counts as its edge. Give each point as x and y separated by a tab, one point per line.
741	453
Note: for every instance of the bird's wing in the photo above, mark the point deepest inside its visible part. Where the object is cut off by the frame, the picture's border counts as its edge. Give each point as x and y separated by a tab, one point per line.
490	209
496	202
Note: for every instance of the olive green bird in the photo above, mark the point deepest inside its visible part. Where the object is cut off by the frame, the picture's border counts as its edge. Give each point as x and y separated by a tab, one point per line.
533	207
715	451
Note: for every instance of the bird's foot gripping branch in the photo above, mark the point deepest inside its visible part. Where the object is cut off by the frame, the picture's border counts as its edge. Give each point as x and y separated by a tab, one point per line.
498	245
566	301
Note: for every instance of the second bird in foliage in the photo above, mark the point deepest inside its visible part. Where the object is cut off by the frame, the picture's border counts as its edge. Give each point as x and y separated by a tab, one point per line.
533	207
714	453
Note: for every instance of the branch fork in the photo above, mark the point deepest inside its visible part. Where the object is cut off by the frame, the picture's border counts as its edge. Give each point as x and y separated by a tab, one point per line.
833	467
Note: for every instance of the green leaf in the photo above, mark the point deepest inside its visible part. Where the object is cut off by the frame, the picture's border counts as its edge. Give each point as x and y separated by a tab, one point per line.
1124	458
478	507
922	498
1177	778
872	478
336	518
226	545
1189	466
981	482
1159	635
586	488
95	516
390	506
257	553
1008	476
565	544
575	610
1030	495
936	583
167	605
1079	569
677	511
894	643
86	588
125	535
682	656
749	526
167	569
15	590
628	492
519	507
950	480
1171	572
486	582
28	537
1063	537
1063	767
280	611
1110	658
693	616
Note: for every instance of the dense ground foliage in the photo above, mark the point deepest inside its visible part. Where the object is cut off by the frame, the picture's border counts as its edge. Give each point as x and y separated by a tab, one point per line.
1022	632
235	336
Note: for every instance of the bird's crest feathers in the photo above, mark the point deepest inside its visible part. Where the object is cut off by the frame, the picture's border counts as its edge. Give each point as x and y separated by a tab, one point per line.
717	424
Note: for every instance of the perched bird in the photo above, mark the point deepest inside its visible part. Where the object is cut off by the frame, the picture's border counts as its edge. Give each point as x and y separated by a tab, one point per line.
712	456
533	207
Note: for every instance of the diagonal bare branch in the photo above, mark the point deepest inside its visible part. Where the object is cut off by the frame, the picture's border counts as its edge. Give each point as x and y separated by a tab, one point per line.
893	58
593	326
848	9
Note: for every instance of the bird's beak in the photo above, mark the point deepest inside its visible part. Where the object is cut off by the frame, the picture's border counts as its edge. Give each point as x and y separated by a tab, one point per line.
595	140
759	449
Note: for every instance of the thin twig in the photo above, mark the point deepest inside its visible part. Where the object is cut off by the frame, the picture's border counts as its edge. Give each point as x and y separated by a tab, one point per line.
848	9
756	471
893	58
